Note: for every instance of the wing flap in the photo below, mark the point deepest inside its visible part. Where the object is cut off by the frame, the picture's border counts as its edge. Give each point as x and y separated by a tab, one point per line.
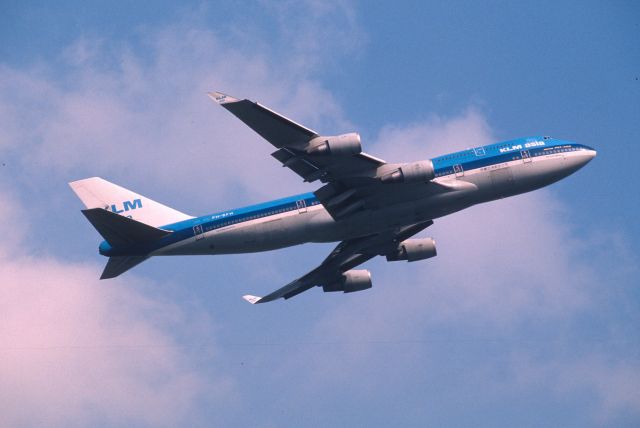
301	167
340	201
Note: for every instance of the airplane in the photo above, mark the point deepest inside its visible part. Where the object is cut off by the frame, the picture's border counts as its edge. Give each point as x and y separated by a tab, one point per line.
372	207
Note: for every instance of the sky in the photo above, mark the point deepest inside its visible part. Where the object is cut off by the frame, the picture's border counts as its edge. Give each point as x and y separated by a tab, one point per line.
527	317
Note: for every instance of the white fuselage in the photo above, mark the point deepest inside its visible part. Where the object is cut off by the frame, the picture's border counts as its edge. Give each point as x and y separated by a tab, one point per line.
305	220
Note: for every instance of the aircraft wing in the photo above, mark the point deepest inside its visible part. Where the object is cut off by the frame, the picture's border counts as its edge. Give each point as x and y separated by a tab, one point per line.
349	177
273	127
353	181
291	138
347	255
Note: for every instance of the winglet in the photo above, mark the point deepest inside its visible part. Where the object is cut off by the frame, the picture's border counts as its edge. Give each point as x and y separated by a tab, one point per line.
252	299
221	98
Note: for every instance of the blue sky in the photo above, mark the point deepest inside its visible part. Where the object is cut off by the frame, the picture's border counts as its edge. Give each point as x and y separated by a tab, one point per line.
527	317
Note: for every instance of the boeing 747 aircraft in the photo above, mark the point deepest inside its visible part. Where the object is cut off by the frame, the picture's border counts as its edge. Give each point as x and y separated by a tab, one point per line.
370	206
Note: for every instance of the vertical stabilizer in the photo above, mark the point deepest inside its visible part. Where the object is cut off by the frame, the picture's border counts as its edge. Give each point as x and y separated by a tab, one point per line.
96	192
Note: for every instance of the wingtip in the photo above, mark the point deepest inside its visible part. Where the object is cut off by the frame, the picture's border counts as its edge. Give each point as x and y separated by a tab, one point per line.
252	299
221	98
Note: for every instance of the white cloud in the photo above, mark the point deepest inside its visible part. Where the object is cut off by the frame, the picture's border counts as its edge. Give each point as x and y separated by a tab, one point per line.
612	381
121	113
433	136
80	350
75	350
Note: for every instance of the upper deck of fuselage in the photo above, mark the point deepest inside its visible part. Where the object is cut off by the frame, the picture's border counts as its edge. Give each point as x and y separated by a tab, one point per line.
504	151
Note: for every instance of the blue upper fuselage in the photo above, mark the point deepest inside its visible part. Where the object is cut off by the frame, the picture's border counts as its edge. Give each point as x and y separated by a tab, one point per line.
464	160
505	151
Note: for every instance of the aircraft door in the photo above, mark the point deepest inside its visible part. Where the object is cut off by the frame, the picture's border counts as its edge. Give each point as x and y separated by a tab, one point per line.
458	170
526	156
197	232
302	206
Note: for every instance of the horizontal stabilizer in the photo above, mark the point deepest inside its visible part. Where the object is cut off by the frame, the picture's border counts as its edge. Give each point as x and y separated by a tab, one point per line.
117	265
120	231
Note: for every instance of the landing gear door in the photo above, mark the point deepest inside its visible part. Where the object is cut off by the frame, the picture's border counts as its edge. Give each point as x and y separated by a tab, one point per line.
526	156
458	170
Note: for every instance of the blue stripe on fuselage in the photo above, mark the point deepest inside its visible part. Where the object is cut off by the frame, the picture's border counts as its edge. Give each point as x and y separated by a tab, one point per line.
506	151
239	215
469	159
186	229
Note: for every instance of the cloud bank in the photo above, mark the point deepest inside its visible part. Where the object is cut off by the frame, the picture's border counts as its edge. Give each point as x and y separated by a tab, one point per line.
511	312
76	351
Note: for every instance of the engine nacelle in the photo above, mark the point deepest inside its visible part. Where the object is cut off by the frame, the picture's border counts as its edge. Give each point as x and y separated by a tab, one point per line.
341	145
352	280
413	250
412	172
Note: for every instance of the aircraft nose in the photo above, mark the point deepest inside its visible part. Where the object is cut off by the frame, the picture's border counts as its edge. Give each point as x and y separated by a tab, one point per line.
582	158
588	154
576	159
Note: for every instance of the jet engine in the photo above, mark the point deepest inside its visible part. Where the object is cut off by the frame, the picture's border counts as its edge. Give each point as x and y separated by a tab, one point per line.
341	145
352	280
413	250
412	172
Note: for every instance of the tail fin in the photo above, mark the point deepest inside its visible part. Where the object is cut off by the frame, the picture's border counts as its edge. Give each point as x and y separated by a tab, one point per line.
96	192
